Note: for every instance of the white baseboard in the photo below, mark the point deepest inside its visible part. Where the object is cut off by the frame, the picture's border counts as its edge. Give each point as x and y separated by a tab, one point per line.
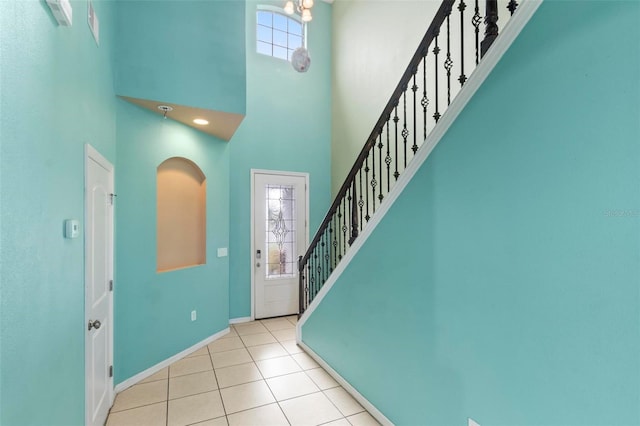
152	370
239	320
377	414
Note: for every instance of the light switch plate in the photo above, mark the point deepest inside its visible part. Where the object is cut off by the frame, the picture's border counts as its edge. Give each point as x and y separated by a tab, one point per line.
223	252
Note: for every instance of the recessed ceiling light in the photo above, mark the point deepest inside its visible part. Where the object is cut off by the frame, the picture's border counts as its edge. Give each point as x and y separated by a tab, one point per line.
201	121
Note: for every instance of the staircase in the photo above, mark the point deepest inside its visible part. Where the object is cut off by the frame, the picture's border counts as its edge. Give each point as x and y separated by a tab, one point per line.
457	39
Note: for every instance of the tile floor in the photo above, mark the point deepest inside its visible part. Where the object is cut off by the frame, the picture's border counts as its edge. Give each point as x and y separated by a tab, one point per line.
254	376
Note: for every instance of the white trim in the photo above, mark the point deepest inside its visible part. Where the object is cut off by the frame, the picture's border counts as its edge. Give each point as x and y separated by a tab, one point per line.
239	320
377	414
92	154
152	370
254	172
511	30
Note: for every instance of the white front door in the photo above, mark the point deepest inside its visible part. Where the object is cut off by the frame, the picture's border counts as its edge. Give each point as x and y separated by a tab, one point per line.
279	237
98	278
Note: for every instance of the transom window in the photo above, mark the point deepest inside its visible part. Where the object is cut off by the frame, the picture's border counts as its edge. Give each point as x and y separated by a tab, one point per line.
277	35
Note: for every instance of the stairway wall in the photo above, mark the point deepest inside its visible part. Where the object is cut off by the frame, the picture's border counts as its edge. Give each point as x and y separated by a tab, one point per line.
503	285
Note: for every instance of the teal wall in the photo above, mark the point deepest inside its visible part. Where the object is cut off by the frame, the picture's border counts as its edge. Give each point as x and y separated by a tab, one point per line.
152	310
504	283
287	128
56	94
184	52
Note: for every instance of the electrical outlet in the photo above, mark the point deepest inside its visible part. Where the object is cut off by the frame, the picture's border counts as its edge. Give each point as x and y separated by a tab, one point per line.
472	422
194	315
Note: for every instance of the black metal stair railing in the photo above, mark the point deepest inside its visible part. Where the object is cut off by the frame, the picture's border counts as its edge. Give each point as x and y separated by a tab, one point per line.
419	100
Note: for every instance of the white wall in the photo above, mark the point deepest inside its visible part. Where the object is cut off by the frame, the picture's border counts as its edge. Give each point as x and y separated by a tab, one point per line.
373	41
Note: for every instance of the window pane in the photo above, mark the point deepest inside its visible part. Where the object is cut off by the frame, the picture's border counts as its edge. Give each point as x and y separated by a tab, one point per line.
279	52
264	18
263	34
289	53
280	22
294	41
264	48
295	27
279	38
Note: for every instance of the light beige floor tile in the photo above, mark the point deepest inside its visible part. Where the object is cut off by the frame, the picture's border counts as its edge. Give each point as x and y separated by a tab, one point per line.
340	422
232	333
305	361
220	421
192	384
363	419
292	385
237	374
244	397
149	415
250	328
278	324
141	394
311	409
199	352
258	339
272	350
191	365
229	344
160	375
267	415
284	335
292	347
345	402
277	366
195	408
229	358
322	378
293	319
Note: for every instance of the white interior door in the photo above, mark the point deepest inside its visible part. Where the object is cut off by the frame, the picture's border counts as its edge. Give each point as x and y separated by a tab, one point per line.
280	236
98	278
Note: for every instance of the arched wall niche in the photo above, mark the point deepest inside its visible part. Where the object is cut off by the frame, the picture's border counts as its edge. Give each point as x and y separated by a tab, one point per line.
181	214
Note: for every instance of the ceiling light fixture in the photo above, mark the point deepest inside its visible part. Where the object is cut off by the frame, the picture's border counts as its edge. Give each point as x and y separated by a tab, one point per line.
165	109
302	6
201	121
300	59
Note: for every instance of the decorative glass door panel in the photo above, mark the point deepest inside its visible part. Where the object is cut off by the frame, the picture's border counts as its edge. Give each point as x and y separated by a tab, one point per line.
279	239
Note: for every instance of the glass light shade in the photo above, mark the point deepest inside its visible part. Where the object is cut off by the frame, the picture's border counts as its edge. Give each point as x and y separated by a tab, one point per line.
306	15
308	4
288	8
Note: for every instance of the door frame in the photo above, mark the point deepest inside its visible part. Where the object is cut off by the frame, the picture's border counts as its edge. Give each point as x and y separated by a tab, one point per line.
91	154
255	172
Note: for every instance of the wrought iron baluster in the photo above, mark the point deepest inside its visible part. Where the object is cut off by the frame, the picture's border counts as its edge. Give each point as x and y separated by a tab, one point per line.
425	101
461	7
373	182
366	195
491	29
361	201
325	254
354	212
448	63
436	51
334	243
388	160
380	146
396	174
405	132
512	6
476	20
310	284
414	89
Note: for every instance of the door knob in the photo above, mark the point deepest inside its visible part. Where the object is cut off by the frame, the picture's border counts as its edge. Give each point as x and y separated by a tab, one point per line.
258	264
94	324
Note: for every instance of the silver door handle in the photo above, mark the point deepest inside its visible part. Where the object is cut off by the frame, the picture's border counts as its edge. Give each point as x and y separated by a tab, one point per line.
94	324
258	265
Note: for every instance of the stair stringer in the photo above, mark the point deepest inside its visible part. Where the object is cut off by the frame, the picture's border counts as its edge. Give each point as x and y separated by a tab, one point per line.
508	35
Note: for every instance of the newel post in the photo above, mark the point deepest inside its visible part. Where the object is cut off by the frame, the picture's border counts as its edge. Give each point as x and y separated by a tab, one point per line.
301	290
491	30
